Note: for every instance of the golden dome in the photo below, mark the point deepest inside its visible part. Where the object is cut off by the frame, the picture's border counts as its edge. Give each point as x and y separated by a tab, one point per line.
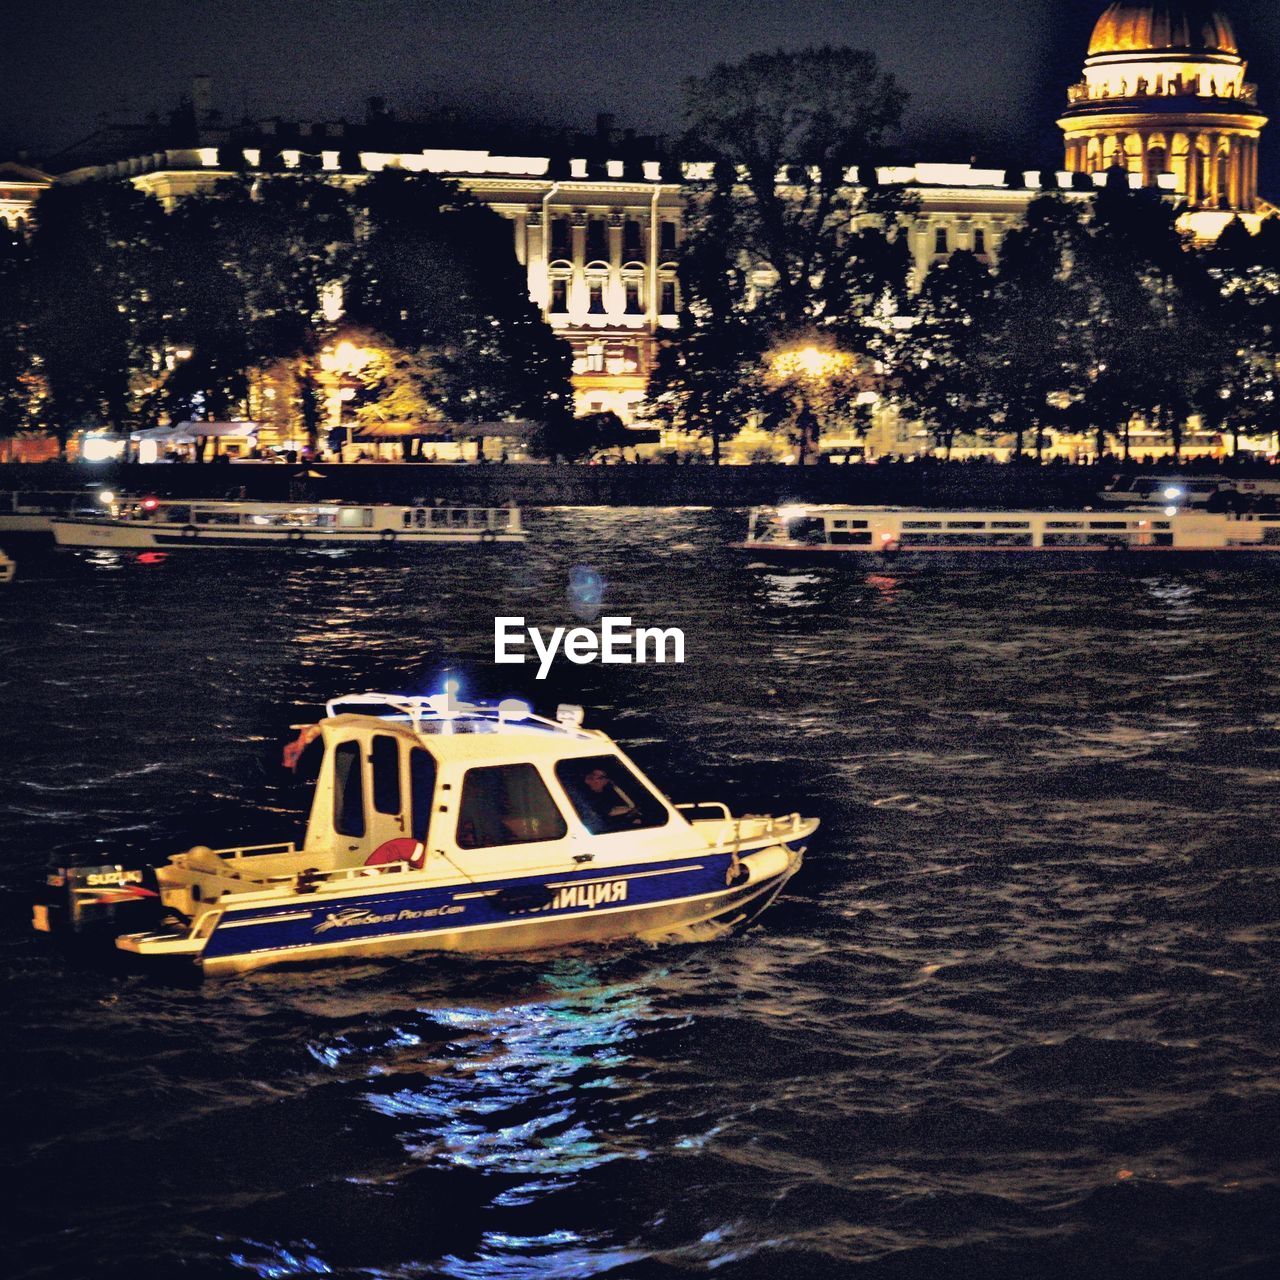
1134	28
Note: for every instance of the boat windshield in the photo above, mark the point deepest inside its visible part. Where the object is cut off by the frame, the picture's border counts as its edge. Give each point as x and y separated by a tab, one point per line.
507	804
608	796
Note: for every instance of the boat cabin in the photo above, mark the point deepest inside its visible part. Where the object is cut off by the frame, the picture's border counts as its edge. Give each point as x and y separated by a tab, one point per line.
893	529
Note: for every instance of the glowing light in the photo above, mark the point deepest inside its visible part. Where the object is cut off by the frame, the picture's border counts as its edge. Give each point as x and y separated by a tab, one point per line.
106	497
101	448
345	358
809	362
451	685
1172	492
1171	511
787	514
149	504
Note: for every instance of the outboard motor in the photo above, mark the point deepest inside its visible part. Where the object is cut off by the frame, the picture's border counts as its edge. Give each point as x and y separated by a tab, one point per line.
107	899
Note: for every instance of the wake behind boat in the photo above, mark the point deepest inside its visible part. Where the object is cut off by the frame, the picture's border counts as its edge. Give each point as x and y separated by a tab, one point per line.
186	525
440	825
919	537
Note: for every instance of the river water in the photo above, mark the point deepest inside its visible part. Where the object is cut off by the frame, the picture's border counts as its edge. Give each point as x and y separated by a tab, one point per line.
1016	1016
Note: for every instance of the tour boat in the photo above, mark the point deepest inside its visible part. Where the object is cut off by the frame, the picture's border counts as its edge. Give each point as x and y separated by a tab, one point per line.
171	524
915	536
442	825
33	512
1221	491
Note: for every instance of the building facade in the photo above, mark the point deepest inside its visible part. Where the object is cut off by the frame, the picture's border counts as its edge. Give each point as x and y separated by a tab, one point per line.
596	220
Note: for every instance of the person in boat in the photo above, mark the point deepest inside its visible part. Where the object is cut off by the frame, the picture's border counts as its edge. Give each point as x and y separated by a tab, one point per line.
604	804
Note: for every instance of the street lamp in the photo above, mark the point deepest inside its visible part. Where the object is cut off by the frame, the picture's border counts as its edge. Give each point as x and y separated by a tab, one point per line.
808	371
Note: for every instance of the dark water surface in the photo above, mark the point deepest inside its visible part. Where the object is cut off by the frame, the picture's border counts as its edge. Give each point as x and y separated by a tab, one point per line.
1016	1017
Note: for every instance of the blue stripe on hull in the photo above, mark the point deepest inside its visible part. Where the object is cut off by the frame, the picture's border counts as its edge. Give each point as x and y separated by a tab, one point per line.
299	924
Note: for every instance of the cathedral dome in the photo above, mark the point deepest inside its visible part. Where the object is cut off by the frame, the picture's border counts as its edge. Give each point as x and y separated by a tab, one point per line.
1157	28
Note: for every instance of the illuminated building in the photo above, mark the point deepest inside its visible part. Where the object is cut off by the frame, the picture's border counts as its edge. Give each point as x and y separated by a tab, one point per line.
596	219
1164	92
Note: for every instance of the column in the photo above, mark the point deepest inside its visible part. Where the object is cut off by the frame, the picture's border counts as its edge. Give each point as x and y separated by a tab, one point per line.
1193	169
616	299
580	300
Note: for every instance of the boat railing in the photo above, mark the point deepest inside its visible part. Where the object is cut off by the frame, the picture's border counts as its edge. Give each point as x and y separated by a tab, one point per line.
750	826
696	806
196	859
307	877
443	712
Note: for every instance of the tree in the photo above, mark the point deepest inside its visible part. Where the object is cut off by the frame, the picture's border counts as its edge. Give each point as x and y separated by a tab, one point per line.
941	370
787	128
771	254
1033	356
97	279
286	244
435	273
19	383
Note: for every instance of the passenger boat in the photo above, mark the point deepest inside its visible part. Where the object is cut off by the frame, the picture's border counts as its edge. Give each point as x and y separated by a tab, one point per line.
7	568
1221	491
915	536
441	825
33	511
171	524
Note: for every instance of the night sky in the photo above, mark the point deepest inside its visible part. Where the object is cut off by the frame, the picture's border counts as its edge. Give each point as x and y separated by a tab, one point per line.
985	80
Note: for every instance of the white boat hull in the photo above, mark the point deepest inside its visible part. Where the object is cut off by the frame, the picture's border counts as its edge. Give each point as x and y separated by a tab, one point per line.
118	536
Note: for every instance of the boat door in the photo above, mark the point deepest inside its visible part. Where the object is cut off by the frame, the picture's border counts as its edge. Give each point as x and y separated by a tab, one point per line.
381	786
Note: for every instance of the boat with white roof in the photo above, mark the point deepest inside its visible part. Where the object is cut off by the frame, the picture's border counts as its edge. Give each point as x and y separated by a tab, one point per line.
442	825
1215	492
32	511
187	524
918	537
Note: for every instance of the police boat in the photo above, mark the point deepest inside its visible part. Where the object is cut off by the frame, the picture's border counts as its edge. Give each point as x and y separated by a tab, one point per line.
442	825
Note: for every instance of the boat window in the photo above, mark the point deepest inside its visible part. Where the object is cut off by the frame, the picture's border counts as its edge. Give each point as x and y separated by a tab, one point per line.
922	524
506	804
966	524
501	518
207	516
608	796
422	789
811	530
178	515
348	793
976	538
1011	524
1108	524
385	758
355	518
1064	524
